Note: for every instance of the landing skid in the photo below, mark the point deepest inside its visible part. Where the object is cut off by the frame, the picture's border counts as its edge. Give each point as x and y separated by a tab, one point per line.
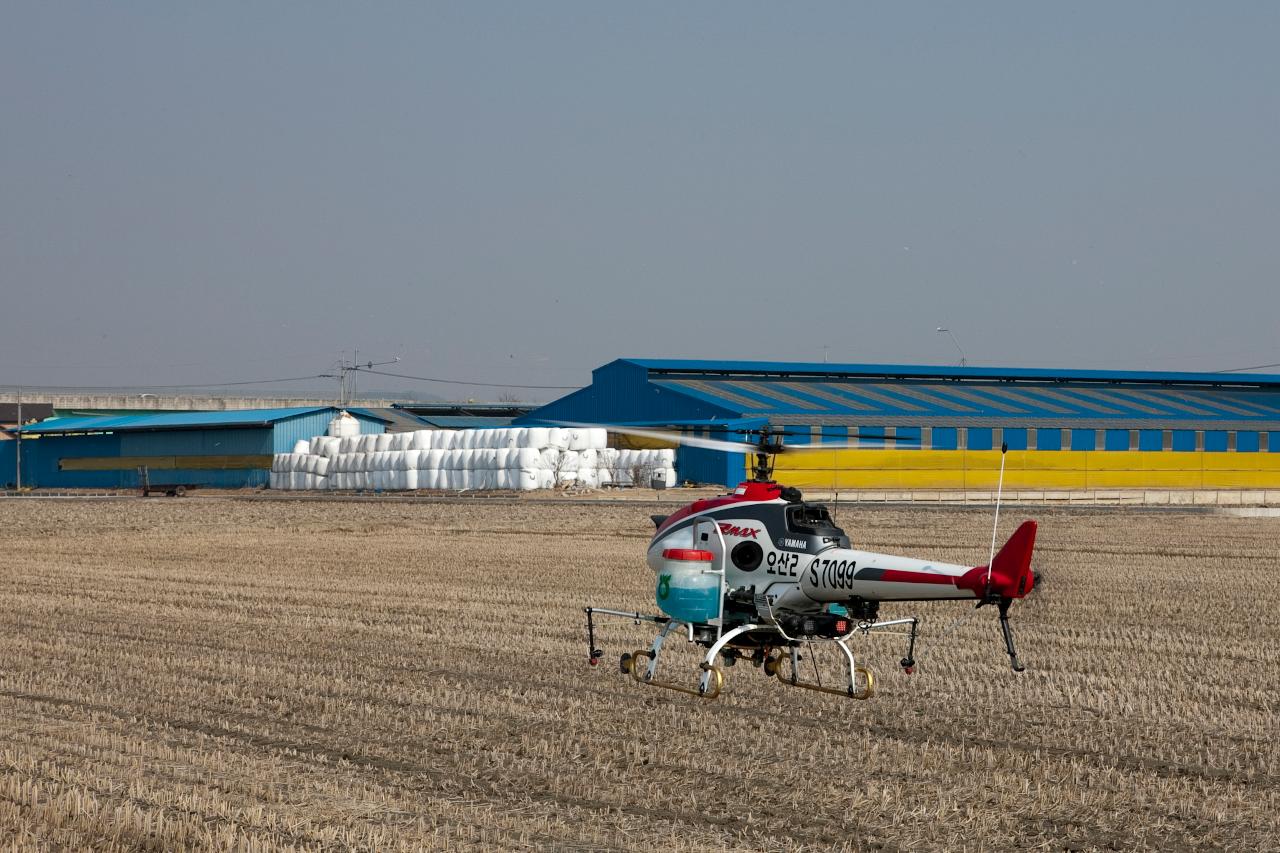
642	664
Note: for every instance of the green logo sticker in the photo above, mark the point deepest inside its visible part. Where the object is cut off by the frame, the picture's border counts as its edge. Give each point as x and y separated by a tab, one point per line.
664	587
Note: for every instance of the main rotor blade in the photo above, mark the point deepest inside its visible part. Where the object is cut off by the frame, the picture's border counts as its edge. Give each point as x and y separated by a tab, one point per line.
860	442
673	437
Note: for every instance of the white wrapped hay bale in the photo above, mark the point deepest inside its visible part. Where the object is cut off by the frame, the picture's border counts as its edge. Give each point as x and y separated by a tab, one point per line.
587	477
343	425
526	458
597	438
302	446
535	437
578	439
382	442
321	444
558	438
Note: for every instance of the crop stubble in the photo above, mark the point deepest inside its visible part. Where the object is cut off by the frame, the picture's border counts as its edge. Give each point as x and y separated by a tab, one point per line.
224	673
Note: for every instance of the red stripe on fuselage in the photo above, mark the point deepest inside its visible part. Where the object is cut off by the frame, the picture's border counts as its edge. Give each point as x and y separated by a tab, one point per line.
755	493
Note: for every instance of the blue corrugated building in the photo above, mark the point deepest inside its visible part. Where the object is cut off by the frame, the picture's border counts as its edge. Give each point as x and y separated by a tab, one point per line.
1064	428
223	449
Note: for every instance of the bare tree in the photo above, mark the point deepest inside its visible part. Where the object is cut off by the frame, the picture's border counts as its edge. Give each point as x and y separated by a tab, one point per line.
642	474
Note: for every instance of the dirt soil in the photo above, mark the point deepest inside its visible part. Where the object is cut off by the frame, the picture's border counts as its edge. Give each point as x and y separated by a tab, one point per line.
217	673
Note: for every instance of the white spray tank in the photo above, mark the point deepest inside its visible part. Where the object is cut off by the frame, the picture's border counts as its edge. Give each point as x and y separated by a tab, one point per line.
688	589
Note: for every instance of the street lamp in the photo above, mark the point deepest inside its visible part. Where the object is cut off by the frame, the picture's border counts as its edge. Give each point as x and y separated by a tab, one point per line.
963	360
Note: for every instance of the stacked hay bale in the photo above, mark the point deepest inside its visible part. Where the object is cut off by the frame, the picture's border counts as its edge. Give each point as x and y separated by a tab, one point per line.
519	458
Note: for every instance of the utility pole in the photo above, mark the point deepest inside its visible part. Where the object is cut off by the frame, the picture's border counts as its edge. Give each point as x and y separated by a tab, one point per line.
18	449
346	381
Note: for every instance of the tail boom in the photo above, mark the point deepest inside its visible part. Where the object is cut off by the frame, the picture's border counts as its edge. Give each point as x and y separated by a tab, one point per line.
840	574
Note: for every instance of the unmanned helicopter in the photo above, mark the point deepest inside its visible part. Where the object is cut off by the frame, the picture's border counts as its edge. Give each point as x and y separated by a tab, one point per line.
759	573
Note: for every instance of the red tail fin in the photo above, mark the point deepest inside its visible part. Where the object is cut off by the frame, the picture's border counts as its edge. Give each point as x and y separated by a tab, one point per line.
1011	569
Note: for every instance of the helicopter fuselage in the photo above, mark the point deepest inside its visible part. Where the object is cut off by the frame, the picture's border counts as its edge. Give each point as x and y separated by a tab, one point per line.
791	551
760	573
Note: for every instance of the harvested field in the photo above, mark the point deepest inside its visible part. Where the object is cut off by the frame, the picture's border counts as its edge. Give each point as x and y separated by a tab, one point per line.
233	674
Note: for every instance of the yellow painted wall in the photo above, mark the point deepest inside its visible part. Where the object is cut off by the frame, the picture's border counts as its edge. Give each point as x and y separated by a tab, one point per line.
1026	469
164	463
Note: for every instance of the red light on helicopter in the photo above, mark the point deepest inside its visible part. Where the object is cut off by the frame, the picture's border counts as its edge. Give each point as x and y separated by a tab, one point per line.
693	554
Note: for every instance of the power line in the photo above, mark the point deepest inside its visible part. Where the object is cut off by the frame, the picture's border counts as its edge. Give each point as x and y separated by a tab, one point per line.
1242	369
462	382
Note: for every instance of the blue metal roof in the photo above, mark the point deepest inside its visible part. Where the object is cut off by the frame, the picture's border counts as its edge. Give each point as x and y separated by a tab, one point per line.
875	395
464	422
852	401
179	420
923	371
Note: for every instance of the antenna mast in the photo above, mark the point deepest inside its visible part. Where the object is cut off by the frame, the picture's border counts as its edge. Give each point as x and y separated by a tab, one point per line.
1004	449
346	383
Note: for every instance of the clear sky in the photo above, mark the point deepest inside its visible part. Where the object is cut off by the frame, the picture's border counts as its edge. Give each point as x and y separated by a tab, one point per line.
517	193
